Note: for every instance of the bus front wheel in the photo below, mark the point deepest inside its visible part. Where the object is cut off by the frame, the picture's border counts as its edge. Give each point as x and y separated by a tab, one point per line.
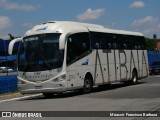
87	88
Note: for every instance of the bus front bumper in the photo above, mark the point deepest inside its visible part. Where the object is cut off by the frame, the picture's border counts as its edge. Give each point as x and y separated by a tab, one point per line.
45	90
30	88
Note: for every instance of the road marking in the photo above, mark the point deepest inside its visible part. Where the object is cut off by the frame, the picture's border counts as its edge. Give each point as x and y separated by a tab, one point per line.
20	98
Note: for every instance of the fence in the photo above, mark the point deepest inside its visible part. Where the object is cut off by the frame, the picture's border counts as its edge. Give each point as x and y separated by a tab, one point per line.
8	84
8	73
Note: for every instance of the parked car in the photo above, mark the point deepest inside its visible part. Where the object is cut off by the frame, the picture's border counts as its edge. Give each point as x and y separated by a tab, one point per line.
5	69
1	70
154	68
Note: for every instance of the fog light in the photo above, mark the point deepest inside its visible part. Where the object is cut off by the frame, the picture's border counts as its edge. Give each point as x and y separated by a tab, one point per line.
60	78
55	80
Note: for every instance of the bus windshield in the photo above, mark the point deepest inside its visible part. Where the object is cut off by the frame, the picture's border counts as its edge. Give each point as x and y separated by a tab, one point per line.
40	53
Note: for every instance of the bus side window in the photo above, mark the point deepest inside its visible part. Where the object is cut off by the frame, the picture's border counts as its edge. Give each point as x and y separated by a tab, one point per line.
114	46
97	41
109	46
77	44
141	42
84	46
104	41
97	46
115	42
139	47
70	51
124	46
124	43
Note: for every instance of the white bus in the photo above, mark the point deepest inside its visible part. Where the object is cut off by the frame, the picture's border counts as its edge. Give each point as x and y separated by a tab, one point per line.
59	56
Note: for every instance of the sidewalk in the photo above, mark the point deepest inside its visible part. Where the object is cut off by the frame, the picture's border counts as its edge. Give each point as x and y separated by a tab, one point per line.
10	95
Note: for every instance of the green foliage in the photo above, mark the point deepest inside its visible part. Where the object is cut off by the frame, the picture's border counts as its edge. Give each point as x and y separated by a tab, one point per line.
151	43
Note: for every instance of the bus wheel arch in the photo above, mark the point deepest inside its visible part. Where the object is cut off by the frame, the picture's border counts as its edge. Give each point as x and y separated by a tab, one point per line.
134	76
88	83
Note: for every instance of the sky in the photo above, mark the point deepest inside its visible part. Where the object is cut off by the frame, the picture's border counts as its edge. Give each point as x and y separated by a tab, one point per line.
18	16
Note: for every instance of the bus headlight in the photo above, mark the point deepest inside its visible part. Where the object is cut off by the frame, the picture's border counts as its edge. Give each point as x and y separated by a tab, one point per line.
60	78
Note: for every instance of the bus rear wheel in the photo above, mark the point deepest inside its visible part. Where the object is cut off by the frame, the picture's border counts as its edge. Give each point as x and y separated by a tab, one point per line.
134	77
88	85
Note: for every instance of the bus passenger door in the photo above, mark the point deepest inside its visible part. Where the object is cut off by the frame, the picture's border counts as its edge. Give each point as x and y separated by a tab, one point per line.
71	71
71	64
78	45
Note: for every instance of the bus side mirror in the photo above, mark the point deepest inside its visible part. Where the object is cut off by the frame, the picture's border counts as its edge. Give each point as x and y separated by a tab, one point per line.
62	41
12	43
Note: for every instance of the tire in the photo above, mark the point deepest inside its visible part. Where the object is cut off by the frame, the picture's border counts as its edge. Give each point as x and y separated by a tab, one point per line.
88	85
134	77
48	95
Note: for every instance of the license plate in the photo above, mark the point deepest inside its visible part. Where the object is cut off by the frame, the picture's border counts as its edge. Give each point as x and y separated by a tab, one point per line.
38	86
156	70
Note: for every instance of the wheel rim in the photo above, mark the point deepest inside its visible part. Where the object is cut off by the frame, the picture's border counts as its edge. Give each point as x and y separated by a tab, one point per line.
134	78
87	84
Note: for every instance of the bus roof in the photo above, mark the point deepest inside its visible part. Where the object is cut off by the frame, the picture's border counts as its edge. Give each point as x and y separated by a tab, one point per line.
73	27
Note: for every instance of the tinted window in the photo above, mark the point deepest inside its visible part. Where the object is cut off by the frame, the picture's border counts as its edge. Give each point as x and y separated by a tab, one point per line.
116	41
136	42
77	45
104	40
40	52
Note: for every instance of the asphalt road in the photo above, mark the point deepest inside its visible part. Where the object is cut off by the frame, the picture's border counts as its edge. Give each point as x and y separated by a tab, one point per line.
144	96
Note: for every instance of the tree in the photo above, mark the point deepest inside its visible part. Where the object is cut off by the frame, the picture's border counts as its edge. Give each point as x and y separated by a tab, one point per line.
151	43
